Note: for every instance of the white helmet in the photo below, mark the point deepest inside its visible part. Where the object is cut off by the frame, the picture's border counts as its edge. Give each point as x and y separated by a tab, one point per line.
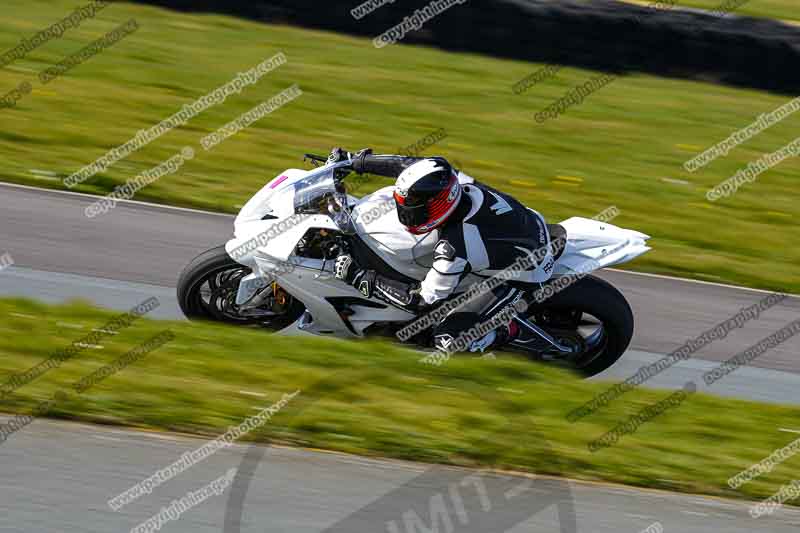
426	194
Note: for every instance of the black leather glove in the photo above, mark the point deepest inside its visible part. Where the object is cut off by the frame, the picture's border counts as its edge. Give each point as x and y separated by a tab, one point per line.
369	283
338	154
347	270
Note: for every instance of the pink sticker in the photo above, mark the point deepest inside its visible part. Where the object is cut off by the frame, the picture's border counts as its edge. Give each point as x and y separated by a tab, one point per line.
278	181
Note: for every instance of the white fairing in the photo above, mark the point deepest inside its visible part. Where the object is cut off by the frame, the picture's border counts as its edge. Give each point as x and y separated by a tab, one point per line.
276	199
266	245
592	245
310	281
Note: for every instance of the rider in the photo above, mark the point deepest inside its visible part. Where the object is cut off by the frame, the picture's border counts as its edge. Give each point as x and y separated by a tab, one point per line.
481	231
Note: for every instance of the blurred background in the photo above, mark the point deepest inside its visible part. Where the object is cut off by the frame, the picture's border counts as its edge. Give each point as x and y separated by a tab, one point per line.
658	82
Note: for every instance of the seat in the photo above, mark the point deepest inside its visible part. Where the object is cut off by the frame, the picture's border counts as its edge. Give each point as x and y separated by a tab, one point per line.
558	239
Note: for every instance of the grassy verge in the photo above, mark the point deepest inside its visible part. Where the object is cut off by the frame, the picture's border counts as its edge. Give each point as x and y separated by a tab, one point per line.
771	9
375	398
624	146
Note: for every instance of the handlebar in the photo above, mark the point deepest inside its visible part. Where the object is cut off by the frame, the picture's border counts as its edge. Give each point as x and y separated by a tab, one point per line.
318	158
382	165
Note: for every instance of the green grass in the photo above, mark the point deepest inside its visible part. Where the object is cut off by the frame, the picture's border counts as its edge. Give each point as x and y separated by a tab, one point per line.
624	146
375	398
773	9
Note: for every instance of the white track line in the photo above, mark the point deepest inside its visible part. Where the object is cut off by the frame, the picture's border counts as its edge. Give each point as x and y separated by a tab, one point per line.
697	281
122	201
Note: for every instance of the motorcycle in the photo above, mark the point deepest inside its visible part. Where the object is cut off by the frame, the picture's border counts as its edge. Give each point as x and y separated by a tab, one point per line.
277	271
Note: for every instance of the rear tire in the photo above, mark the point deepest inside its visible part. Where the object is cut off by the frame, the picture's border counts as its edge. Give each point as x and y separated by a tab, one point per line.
596	297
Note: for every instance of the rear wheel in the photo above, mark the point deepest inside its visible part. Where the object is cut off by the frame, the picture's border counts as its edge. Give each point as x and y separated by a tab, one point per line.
592	318
208	286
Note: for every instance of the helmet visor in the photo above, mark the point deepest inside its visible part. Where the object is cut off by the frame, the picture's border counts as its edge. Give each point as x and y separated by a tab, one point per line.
411	215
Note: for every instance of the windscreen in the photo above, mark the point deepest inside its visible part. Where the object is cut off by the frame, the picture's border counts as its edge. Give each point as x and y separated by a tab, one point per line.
312	194
319	194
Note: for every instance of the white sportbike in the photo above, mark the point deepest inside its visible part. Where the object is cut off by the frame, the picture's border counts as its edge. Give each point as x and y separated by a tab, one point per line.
277	271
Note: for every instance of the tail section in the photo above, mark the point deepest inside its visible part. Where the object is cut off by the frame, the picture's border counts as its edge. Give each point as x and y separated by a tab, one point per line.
592	245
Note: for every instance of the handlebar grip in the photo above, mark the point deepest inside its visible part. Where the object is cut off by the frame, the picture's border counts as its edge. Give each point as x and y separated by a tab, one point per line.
389	166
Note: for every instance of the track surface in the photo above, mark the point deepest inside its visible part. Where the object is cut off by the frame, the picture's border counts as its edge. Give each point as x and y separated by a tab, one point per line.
58	476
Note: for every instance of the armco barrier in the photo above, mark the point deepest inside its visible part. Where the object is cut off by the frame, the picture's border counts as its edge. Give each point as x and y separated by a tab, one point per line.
598	34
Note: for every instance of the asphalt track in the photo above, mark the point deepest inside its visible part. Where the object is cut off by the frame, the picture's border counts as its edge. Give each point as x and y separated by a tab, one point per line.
57	476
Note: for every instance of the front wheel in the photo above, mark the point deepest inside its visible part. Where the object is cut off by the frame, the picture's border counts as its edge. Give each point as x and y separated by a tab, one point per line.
207	290
591	317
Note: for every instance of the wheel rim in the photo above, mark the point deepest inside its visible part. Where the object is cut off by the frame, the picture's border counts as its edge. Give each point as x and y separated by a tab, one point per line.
584	333
216	291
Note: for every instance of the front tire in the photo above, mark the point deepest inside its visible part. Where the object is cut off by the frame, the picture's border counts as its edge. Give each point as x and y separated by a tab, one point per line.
207	290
